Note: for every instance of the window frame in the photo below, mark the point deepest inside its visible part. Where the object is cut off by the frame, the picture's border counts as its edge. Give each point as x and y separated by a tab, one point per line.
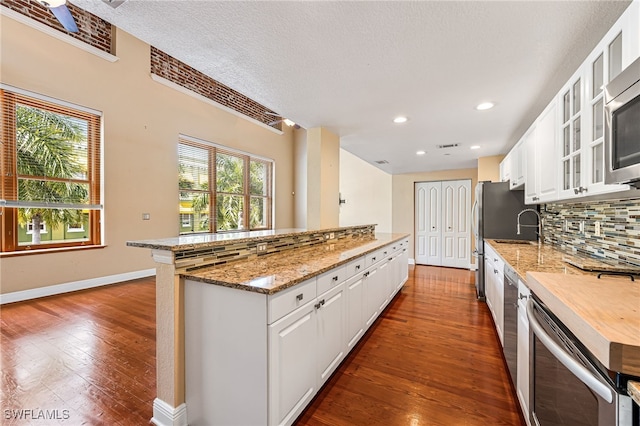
10	97
213	150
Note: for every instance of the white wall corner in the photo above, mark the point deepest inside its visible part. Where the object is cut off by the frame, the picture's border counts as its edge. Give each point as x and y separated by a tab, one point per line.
166	415
412	261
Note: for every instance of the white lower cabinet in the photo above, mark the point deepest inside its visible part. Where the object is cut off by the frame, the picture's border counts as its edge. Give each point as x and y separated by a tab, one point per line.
254	359
331	324
523	351
292	364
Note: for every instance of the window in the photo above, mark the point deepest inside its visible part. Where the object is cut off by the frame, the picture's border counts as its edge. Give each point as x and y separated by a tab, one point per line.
222	190
50	168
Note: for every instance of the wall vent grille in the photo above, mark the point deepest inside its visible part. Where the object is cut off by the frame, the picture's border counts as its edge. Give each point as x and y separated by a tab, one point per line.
451	145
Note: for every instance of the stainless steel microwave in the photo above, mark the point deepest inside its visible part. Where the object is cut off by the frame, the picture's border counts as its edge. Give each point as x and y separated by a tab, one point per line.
622	127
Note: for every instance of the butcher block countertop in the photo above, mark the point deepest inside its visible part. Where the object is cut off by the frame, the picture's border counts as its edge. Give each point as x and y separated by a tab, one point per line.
276	272
604	314
634	390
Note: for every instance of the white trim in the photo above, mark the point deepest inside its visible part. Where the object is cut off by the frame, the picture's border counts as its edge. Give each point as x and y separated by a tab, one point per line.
51	100
165	415
412	261
18	296
5	11
172	85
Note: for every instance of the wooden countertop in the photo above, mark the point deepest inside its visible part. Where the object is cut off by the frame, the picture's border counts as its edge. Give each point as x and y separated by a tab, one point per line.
272	273
634	390
604	314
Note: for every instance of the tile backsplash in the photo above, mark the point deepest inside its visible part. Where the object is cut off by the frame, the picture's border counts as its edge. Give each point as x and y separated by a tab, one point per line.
574	226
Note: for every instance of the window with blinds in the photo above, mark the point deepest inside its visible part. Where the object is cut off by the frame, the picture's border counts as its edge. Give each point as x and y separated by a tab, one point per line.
222	190
50	164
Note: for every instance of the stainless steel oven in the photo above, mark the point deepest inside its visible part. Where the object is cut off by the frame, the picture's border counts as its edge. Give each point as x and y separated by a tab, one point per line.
568	386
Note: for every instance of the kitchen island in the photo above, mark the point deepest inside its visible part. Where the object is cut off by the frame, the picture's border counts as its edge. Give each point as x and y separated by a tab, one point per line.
267	328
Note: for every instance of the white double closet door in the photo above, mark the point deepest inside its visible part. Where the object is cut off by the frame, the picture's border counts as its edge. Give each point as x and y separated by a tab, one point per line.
443	222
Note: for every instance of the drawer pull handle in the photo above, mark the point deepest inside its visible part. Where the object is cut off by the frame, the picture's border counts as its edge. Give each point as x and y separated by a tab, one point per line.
495	271
357	267
300	297
335	278
373	258
366	274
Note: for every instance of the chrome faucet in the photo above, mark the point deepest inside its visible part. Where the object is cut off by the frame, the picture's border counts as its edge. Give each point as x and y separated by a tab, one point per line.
539	225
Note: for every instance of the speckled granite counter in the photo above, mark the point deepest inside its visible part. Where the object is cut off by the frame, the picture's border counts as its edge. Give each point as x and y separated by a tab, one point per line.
273	273
531	256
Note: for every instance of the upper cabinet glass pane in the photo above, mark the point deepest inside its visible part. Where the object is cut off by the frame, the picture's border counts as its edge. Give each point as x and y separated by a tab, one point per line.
576	96
615	57
566	111
598	119
598	76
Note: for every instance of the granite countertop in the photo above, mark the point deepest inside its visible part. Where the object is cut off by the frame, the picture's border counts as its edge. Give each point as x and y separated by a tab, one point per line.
526	256
604	314
188	242
272	273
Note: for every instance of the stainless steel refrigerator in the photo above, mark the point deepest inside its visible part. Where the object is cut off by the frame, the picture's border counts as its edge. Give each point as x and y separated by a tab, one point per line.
495	216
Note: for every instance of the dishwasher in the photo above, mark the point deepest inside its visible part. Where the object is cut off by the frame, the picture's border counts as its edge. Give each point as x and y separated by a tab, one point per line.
511	321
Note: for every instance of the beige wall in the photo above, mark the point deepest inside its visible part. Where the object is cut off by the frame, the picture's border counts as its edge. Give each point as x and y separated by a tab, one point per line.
403	194
489	168
142	120
367	190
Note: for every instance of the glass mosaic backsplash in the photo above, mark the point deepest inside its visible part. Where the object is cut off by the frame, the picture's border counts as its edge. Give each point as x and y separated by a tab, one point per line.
574	226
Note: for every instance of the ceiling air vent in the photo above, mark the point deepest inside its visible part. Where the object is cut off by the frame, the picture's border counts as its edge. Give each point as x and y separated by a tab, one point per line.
381	162
451	145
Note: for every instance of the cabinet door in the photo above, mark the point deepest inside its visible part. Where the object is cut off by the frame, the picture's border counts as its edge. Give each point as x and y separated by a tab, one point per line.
371	305
523	351
292	364
571	138
546	175
331	321
489	284
382	285
531	153
354	291
403	265
499	304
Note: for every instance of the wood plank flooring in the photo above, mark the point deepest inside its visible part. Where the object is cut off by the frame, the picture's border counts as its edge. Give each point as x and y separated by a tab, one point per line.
432	358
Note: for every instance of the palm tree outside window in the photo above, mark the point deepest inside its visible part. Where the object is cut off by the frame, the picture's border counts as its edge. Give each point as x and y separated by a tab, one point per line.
50	163
222	190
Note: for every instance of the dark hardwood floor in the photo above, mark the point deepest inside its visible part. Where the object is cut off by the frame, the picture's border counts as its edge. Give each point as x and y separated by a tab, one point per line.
432	358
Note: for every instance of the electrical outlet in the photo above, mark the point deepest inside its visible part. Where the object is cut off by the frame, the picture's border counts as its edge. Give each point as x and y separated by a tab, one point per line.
146	216
565	226
261	248
582	226
596	232
331	235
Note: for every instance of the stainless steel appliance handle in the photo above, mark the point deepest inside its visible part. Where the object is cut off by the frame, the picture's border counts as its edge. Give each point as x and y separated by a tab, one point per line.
474	216
567	360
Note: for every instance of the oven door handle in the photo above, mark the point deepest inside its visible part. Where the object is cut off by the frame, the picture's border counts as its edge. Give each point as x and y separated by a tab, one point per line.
567	360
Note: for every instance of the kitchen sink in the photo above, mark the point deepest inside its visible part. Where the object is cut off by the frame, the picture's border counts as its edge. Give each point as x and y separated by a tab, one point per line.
515	242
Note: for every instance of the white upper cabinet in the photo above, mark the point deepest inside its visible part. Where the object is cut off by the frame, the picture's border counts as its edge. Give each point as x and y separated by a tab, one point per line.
563	151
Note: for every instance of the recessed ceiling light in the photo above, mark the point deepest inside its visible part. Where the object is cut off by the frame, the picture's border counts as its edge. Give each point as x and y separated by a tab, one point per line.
421	152
474	147
400	119
485	105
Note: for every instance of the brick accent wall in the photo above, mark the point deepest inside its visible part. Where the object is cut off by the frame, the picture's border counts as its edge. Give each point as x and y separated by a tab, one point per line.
178	72
91	29
619	228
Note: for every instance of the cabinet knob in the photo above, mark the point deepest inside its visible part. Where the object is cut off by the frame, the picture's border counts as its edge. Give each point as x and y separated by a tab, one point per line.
495	271
522	296
535	198
300	297
357	267
335	278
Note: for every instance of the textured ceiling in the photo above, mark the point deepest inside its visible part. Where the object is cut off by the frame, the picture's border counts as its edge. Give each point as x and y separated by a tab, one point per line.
353	66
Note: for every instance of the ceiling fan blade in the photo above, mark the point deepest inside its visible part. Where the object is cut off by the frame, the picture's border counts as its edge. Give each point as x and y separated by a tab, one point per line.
64	16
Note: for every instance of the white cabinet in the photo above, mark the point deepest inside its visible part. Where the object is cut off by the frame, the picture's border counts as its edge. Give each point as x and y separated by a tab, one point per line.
518	164
505	167
542	176
292	364
331	309
494	289
522	374
277	350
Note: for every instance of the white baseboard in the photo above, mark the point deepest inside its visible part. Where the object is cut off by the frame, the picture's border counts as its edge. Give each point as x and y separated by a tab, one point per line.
412	261
18	296
166	415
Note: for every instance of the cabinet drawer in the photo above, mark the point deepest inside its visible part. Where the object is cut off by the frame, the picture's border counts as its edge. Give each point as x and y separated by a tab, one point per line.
354	267
331	279
373	258
280	304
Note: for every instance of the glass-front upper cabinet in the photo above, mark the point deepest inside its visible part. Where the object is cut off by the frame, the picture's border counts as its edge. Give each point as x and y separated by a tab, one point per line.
572	136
